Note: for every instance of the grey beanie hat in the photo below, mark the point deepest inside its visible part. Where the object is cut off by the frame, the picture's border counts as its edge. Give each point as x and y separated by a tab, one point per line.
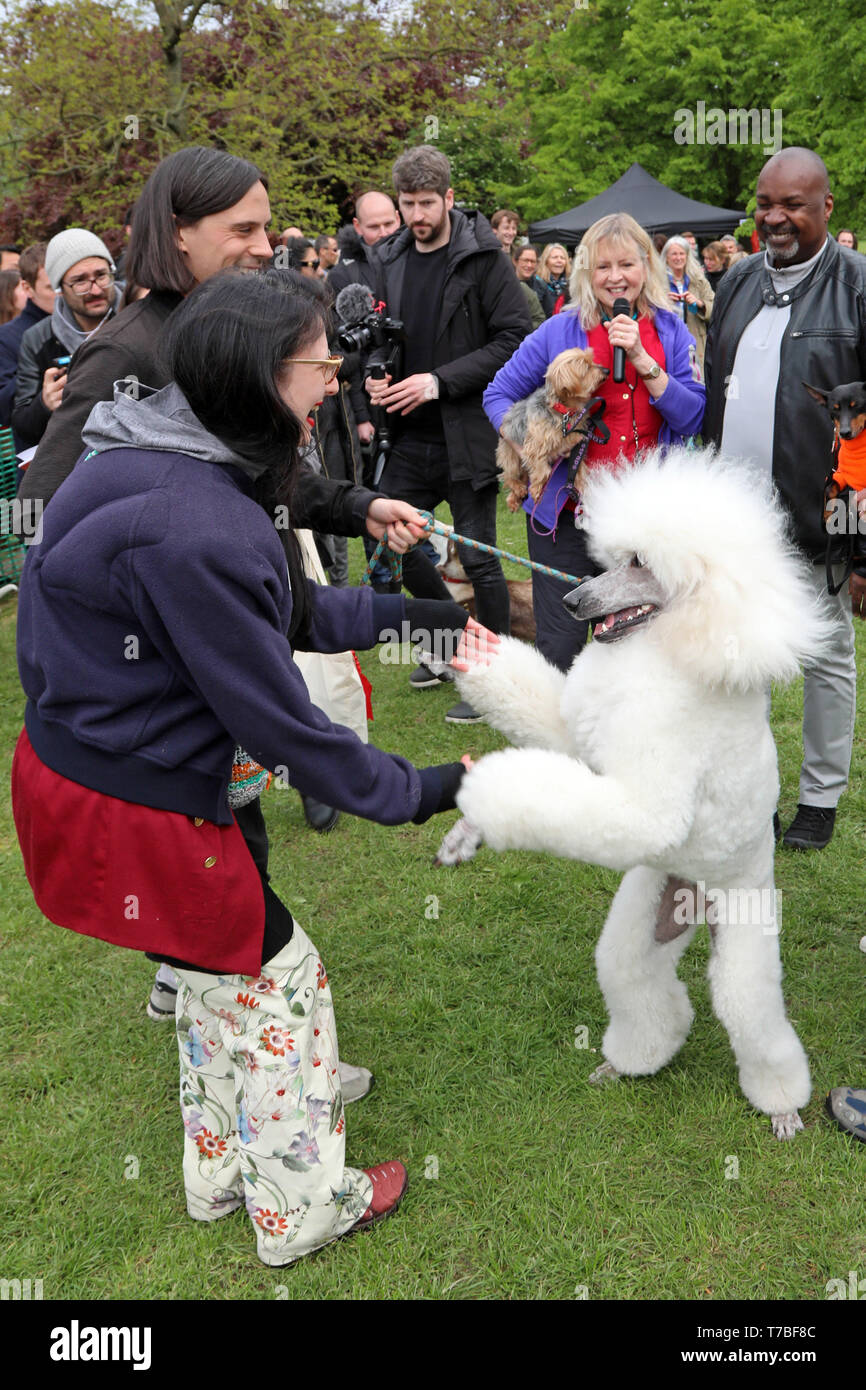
65	249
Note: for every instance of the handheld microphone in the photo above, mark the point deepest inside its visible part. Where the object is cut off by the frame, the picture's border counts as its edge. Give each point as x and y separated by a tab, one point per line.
620	306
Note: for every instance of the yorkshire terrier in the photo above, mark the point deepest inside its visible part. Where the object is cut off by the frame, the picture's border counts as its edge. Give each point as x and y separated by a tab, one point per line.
537	427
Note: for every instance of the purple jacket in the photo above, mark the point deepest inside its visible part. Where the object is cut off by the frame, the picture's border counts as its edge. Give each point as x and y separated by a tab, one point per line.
681	405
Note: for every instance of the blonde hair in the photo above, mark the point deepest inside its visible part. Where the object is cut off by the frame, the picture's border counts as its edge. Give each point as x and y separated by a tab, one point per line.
617	228
544	269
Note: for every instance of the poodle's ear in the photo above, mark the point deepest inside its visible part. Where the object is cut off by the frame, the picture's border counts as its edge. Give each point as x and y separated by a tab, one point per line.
819	396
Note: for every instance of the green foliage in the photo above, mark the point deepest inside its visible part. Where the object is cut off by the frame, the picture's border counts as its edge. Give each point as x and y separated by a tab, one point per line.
605	91
321	94
538	105
74	77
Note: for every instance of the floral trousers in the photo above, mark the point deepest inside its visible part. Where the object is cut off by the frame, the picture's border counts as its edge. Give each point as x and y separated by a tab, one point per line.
261	1104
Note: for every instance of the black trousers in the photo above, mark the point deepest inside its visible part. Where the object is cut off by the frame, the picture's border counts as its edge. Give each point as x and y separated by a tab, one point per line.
559	636
417	471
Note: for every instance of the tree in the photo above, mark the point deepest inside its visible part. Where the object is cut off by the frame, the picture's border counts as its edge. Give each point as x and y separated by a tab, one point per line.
605	91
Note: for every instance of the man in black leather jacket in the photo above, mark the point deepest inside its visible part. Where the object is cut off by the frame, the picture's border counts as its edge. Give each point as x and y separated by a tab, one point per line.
796	313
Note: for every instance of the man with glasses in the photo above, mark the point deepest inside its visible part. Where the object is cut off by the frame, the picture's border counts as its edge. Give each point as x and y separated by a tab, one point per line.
79	267
327	250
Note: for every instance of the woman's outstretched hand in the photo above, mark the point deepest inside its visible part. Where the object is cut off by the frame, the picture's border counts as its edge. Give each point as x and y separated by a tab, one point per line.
477	647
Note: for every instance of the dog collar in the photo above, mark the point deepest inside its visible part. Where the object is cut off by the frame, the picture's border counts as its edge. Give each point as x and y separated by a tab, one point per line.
572	418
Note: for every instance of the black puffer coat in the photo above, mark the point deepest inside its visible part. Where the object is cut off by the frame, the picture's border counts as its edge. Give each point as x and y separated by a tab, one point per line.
483	319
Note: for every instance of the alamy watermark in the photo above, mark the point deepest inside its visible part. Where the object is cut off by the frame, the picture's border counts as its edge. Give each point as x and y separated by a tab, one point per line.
438	646
732	907
854	1288
737	126
21	517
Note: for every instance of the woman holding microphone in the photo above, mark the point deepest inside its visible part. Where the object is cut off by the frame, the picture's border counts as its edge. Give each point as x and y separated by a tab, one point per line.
661	400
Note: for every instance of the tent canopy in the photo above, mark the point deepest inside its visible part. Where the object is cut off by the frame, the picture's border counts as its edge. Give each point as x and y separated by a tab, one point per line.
655	206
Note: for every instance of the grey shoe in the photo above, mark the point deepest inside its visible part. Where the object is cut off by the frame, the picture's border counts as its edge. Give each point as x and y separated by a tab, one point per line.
423	678
160	1005
848	1108
463	713
355	1082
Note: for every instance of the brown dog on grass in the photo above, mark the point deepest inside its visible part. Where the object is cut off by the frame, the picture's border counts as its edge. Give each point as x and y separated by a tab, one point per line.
519	591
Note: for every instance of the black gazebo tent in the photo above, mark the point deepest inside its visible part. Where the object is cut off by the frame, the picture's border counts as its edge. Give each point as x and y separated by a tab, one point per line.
655	206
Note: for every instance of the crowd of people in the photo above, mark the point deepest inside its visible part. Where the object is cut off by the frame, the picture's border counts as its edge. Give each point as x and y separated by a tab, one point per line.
174	419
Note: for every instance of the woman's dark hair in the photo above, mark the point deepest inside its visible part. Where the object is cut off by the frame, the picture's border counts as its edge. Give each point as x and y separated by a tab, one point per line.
224	346
294	250
194	183
9	282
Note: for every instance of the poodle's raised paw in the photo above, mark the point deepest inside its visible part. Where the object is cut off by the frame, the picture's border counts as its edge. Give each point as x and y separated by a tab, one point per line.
606	1072
459	845
786	1126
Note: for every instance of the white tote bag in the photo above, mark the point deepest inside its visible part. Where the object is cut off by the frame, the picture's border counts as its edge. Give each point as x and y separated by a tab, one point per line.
332	678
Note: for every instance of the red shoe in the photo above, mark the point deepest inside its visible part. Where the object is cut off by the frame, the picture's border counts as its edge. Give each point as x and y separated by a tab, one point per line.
390	1181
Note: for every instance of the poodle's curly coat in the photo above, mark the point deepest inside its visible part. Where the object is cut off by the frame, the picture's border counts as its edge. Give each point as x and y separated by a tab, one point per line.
654	755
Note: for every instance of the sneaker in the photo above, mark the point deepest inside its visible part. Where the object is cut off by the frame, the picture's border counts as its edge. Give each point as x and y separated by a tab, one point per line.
848	1108
319	816
422	678
390	1181
160	1005
463	714
355	1082
811	828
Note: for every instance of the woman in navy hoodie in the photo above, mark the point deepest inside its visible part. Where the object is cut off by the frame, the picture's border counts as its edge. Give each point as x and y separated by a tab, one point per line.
661	400
156	623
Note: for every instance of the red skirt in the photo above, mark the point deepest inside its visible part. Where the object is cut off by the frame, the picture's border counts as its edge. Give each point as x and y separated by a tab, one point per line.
151	880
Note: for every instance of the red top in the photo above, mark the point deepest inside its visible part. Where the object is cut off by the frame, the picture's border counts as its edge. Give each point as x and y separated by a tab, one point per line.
621	396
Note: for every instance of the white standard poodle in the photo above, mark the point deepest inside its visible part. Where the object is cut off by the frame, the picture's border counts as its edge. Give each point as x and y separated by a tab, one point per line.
654	755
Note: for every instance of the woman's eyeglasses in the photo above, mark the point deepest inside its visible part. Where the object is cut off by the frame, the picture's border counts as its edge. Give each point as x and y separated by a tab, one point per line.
329	365
310	265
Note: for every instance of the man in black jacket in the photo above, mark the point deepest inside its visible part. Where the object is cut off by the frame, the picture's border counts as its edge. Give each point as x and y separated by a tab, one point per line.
82	274
40	302
796	313
445	277
375	219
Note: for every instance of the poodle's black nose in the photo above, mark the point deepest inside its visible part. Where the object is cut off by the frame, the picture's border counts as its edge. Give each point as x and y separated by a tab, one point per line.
572	600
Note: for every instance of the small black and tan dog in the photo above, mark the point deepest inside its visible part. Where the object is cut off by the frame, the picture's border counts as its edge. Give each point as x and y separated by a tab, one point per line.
846	406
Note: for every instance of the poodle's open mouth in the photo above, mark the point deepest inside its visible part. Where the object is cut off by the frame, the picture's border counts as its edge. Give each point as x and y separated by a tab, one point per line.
616	625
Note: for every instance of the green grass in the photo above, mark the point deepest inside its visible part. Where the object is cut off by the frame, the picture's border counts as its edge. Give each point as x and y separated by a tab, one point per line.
545	1183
